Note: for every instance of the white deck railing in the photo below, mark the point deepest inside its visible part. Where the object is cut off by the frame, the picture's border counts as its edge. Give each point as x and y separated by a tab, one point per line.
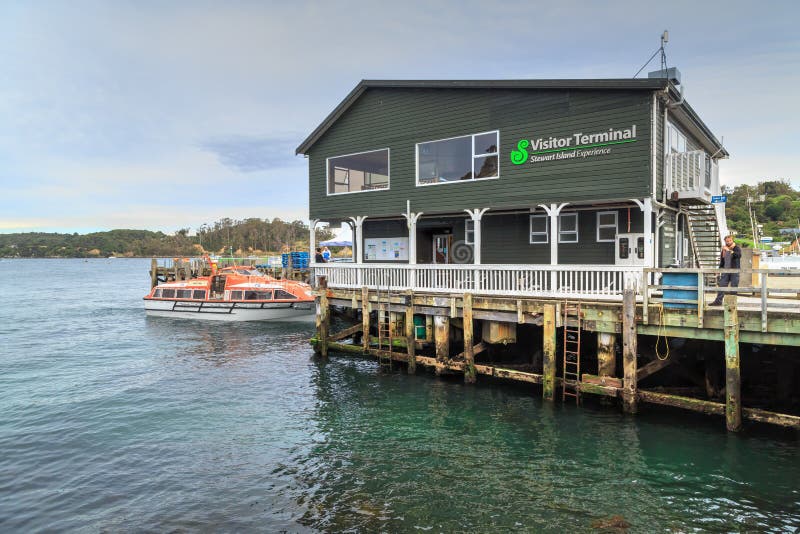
562	281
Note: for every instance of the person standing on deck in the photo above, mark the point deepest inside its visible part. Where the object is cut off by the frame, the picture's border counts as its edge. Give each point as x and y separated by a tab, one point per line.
326	254
318	257
729	258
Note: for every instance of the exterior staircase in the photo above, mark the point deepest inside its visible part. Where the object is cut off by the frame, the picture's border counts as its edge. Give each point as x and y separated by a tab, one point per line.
704	234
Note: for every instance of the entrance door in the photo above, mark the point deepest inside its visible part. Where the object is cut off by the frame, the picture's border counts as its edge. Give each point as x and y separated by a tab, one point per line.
441	248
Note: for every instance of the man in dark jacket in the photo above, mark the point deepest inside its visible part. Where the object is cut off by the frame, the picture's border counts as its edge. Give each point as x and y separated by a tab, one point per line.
318	257
729	258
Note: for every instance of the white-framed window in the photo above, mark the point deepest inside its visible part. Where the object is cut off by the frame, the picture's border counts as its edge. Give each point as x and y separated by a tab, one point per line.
359	172
458	159
469	232
676	141
568	228
540	229
606	226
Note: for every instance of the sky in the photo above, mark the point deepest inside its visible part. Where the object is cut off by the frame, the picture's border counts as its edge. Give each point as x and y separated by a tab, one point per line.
167	115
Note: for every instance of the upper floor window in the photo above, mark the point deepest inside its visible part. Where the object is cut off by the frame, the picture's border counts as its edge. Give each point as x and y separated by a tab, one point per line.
471	157
353	173
676	141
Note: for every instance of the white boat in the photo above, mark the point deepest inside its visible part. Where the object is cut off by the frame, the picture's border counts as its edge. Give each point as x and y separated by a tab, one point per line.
233	294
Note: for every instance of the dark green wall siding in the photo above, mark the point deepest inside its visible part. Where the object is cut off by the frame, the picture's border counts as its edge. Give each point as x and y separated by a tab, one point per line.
400	118
506	237
660	151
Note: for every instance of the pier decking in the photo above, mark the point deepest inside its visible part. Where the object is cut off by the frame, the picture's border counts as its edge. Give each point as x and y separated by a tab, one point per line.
455	319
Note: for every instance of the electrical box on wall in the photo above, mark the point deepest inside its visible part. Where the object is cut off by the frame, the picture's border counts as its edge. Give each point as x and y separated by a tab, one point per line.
629	249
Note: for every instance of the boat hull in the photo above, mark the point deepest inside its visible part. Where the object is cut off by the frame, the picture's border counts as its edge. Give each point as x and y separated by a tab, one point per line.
231	311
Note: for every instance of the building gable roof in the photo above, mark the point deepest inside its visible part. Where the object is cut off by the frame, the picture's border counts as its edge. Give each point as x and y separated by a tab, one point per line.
648	84
624	84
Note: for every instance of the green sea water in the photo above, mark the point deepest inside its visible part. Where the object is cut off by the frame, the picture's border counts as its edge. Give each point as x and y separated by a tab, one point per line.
112	421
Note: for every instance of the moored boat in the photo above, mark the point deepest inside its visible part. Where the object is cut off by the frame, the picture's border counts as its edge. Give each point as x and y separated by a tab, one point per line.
232	294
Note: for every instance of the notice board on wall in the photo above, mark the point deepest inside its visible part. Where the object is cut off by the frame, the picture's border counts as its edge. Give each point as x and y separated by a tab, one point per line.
386	249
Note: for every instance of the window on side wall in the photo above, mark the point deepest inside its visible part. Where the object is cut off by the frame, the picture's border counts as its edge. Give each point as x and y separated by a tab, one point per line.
469	232
469	157
568	228
606	226
676	141
354	173
540	229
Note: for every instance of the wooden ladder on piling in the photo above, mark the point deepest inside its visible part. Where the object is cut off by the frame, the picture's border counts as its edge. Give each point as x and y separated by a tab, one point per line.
384	329
571	377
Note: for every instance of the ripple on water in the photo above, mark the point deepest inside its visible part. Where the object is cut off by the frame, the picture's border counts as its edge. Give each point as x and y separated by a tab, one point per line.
113	421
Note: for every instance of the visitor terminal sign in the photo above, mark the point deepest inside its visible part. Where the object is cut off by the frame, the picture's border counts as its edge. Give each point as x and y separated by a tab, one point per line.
577	145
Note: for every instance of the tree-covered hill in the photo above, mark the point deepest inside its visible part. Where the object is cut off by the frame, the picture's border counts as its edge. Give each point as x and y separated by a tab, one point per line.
776	205
250	236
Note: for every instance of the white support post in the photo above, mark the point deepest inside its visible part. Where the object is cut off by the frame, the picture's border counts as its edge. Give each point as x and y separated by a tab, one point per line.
312	239
411	223
646	205
358	221
553	211
476	215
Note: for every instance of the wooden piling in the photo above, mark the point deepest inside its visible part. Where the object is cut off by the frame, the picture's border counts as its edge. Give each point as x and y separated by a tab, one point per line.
549	353
324	317
442	339
629	349
411	346
469	349
606	354
733	397
153	273
365	318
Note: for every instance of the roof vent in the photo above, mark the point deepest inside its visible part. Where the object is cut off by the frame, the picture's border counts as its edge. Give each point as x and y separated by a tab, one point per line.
672	74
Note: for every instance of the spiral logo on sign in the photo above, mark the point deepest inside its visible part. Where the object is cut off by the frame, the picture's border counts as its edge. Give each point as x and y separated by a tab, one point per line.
520	155
461	252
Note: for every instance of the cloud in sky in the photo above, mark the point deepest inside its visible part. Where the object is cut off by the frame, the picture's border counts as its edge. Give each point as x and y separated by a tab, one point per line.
251	154
158	115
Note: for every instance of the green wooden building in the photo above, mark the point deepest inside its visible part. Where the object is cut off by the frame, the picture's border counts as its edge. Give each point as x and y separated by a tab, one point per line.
602	174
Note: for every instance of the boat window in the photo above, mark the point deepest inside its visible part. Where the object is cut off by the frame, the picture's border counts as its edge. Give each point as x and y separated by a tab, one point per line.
157	294
169	293
258	295
236	295
281	294
199	294
184	293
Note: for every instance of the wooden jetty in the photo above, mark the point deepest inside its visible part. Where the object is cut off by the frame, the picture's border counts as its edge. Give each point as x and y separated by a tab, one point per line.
525	229
463	332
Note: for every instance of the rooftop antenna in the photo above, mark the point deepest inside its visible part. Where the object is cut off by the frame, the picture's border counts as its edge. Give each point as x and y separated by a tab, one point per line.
661	50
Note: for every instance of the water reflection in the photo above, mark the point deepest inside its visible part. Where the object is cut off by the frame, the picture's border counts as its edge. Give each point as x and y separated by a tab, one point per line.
407	453
222	343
